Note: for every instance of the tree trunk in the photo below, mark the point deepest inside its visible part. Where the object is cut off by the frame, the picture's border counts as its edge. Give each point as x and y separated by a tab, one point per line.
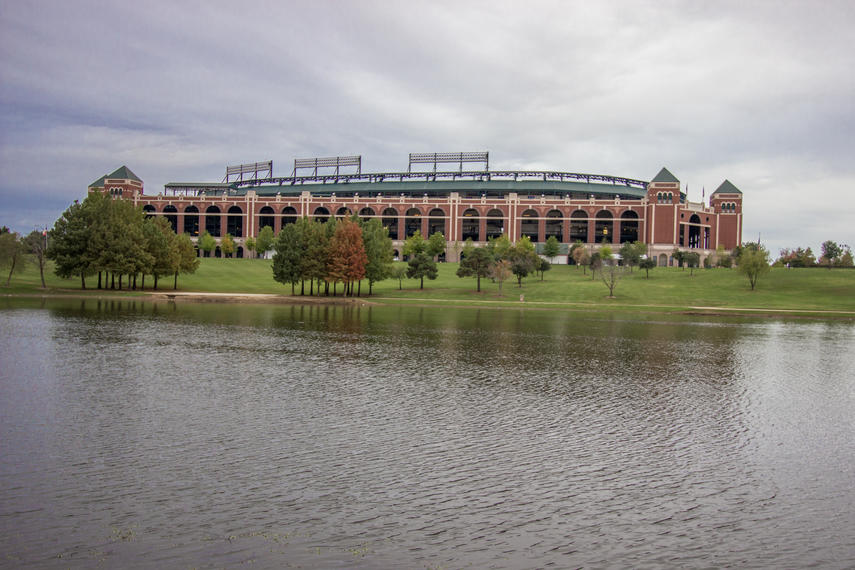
82	280
175	285
42	272
155	281
121	275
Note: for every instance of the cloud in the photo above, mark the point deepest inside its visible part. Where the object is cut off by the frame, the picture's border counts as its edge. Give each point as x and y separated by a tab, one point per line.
761	94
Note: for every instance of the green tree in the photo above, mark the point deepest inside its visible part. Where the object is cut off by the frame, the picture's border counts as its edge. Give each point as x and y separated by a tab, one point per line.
227	245
753	262
631	253
499	246
36	244
399	272
264	242
11	254
118	239
468	246
692	260
415	244
679	257
542	266
551	248
379	251
610	275
70	240
830	253
478	263
421	265
436	245
250	245
188	261
288	258
523	259
207	243
647	264
846	259
159	244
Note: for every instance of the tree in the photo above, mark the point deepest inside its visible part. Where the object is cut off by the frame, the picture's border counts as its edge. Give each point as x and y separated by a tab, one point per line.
501	272
227	245
250	244
162	256
499	246
468	246
207	243
611	274
36	244
118	240
399	272
70	240
421	265
11	253
551	248
436	245
846	258
606	253
542	266
753	262
631	253
830	252
288	265
679	256
188	261
347	255
596	263
693	260
415	244
379	251
523	259
478	263
580	256
795	258
264	242
647	264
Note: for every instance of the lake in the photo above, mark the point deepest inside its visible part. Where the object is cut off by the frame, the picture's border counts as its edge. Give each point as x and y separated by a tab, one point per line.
137	434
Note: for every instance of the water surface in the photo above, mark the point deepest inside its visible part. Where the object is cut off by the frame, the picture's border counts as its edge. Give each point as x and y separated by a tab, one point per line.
135	435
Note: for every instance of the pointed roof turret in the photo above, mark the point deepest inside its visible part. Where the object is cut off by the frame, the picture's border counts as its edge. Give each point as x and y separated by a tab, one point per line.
98	183
727	187
665	176
123	173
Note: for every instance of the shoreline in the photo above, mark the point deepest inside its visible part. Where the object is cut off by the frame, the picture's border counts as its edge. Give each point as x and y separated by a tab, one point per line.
278	299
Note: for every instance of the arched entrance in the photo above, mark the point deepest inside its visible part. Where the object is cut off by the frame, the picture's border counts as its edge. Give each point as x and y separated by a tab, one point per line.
171	214
413	222
390	222
554	225
603	226
495	223
149	210
234	222
528	225
436	222
579	226
628	227
289	215
321	214
212	221
191	221
470	225
267	218
695	231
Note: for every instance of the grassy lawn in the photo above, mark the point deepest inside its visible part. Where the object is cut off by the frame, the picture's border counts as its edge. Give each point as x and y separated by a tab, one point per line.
666	289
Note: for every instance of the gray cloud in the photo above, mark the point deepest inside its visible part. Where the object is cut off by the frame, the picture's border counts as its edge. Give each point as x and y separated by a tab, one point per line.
759	94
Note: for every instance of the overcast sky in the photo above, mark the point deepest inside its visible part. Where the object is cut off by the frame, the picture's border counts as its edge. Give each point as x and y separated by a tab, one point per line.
760	93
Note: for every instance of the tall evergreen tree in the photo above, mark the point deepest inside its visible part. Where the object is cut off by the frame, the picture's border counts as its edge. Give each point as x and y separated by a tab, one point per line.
379	251
288	259
188	261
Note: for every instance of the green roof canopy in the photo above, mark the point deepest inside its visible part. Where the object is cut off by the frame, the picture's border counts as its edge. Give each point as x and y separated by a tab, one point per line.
124	173
665	176
727	187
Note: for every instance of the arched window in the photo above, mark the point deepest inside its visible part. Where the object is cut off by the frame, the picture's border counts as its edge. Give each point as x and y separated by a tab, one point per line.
579	226
149	210
603	226
413	222
191	220
321	214
366	213
289	215
390	222
436	222
528	225
212	221
695	231
628	227
343	212
171	214
267	218
555	225
495	223
234	222
470	225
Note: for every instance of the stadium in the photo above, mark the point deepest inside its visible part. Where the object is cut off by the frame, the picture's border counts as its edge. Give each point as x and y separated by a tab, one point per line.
444	192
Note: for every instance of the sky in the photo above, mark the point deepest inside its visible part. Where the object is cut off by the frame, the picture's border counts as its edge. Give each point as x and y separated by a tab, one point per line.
759	93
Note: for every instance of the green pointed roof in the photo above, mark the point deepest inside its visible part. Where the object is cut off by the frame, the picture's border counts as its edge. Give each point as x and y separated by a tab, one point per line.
98	183
665	176
727	188
124	173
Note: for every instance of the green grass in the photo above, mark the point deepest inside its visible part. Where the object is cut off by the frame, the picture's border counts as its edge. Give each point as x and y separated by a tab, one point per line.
667	289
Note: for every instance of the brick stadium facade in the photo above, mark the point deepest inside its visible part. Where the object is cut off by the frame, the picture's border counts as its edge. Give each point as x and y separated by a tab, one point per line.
461	205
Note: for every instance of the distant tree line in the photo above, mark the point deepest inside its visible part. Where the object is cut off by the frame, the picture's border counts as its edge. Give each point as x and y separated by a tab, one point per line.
832	255
114	240
500	259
